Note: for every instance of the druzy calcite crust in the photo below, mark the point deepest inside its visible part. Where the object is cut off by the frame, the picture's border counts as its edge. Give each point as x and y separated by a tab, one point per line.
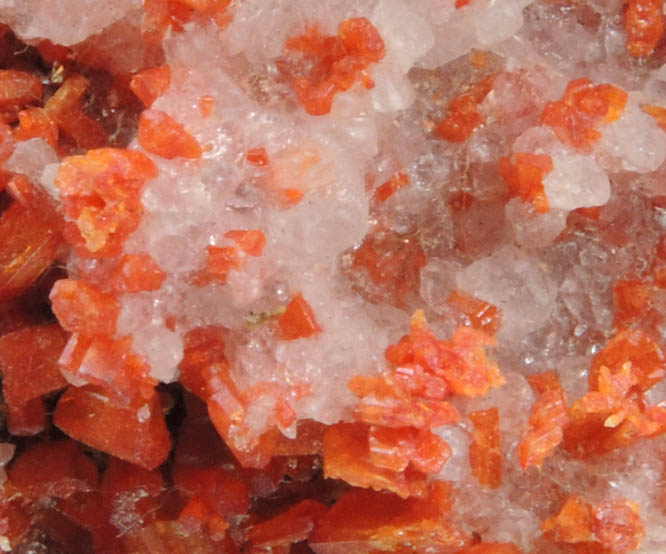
341	277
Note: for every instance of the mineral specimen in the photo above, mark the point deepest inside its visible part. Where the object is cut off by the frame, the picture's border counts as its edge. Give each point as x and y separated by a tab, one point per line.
334	277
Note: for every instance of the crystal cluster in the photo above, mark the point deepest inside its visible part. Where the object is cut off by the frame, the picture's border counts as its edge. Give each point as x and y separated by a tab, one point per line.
339	277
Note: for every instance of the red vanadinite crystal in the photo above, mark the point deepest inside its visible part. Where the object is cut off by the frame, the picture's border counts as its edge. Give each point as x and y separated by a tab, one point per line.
463	115
298	320
150	84
385	522
83	308
614	414
523	174
135	433
37	123
485	456
101	198
392	263
291	526
161	15
65	107
396	448
160	134
203	347
27	419
331	64
52	469
206	105
137	272
478	314
644	25
31	240
657	112
221	492
583	106
251	242
491	548
221	260
646	357
347	456
257	156
396	182
108	363
632	301
17	90
547	418
29	363
613	526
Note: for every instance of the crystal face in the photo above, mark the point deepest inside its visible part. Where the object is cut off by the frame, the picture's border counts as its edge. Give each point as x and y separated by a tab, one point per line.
333	277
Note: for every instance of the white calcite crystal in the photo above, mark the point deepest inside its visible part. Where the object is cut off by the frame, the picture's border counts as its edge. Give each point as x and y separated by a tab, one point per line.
576	182
62	21
517	285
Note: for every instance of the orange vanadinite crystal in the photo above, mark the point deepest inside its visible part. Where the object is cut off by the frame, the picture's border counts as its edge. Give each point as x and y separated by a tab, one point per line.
396	182
347	456
463	115
160	134
646	359
206	105
548	416
644	25
251	241
101	198
523	174
613	526
137	272
461	362
160	15
478	314
257	156
331	64
465	366
298	320
221	260
396	448
384	522
408	398
203	346
462	3
29	363
149	84
135	433
582	107
614	414
31	240
485	456
401	406
83	308
66	109
657	112
36	123
632	301
491	548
